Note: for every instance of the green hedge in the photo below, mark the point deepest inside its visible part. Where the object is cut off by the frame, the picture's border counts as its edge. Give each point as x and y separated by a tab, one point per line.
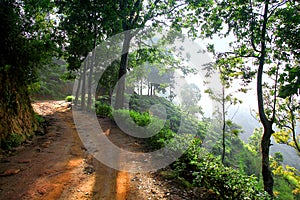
103	109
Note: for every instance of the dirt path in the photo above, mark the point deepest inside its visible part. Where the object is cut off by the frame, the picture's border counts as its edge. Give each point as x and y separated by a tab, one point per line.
56	165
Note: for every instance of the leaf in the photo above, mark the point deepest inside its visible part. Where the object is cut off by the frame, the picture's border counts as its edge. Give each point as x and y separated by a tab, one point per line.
287	90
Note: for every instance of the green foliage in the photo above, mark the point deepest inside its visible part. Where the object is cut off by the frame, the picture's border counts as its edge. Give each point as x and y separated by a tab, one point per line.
287	179
265	42
254	141
151	124
103	109
288	115
39	118
25	47
175	118
278	157
205	170
163	137
51	83
290	80
108	79
12	140
196	167
191	95
141	119
69	98
282	190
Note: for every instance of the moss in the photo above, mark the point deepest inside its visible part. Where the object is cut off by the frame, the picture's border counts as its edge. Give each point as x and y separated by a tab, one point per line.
12	140
39	118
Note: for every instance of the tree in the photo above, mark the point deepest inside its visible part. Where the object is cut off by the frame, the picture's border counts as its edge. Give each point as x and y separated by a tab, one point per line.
191	95
52	81
288	107
265	41
26	41
133	15
288	115
223	98
254	140
225	101
83	26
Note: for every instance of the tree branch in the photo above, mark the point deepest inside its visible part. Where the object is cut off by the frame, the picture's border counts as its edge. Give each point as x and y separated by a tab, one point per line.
274	8
275	94
239	55
165	12
252	29
260	100
292	118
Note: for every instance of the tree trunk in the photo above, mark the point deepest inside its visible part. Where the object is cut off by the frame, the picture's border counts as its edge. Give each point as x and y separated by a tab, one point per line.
92	64
293	124
265	148
141	87
224	124
267	124
122	71
90	81
82	105
16	113
78	88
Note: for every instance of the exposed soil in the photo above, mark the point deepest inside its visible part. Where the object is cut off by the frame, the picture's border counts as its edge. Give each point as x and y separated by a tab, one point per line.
56	165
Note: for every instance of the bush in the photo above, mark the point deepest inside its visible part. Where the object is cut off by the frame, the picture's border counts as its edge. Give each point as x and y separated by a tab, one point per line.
196	166
141	119
205	170
69	98
103	109
150	125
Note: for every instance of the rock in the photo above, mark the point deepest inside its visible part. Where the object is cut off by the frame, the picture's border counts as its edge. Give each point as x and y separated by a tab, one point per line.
46	144
10	172
89	170
42	190
24	161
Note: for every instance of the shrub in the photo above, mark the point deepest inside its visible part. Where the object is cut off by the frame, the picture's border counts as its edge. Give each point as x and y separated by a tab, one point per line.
196	166
69	98
205	170
162	138
148	124
103	109
141	119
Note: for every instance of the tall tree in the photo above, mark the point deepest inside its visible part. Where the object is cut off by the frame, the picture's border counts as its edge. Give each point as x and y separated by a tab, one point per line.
133	15
191	95
83	24
261	45
223	98
26	43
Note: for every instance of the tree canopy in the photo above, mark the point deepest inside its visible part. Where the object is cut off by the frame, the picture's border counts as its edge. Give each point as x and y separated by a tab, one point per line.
265	48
